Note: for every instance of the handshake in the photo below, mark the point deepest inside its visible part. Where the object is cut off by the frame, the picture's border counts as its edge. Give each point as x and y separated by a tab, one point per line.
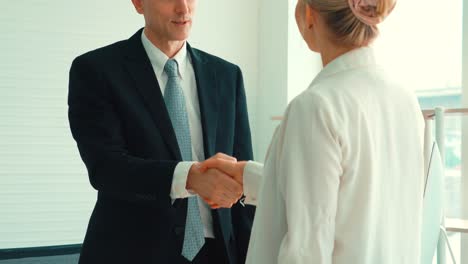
217	180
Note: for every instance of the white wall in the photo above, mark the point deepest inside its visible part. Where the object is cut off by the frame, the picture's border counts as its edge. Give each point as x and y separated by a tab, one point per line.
303	64
45	197
286	67
229	29
272	80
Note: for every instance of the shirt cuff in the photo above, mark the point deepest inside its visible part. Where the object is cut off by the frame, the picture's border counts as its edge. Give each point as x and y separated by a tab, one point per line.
179	180
253	173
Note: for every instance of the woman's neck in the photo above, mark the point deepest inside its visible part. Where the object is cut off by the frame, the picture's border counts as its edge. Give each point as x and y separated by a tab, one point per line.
330	51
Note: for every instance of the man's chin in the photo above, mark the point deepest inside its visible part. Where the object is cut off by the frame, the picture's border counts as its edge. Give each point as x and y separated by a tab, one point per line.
181	37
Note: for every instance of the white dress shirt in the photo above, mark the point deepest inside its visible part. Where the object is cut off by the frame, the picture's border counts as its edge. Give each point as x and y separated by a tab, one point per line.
343	178
189	86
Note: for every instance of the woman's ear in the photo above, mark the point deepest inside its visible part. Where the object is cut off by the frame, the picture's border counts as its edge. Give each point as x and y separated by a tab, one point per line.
310	16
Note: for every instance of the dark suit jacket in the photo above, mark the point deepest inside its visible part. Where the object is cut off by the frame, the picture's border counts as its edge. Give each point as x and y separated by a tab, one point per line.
120	123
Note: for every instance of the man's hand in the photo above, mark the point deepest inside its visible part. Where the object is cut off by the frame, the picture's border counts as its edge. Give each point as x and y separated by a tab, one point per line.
214	186
226	164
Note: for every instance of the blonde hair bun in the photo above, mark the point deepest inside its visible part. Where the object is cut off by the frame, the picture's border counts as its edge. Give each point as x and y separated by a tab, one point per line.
371	12
353	22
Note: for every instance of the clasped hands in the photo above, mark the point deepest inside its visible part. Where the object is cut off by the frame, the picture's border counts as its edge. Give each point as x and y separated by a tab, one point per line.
217	180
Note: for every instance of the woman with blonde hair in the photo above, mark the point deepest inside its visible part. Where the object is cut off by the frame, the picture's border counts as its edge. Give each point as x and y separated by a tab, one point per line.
343	177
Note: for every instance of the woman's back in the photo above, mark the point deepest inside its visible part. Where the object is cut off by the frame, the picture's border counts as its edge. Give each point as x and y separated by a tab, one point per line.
343	176
380	131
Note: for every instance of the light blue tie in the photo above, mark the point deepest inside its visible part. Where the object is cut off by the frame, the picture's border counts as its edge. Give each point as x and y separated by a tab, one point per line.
194	237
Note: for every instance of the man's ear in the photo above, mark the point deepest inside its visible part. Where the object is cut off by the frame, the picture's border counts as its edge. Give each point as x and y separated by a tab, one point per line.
138	4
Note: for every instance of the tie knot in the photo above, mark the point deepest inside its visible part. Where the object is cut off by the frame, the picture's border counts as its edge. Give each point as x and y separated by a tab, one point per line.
171	68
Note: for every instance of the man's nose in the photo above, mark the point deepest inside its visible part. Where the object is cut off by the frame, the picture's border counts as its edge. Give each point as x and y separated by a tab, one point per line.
182	7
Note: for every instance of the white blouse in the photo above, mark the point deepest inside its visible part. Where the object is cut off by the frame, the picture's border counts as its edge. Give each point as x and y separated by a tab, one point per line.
343	177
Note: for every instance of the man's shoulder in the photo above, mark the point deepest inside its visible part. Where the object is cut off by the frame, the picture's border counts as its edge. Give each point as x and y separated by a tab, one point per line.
109	53
214	60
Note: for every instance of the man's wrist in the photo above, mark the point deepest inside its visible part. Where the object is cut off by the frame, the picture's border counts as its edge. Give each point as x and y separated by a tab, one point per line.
179	180
193	172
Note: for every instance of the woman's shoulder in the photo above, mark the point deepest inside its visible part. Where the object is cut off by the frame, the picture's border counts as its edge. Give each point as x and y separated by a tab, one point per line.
320	95
311	104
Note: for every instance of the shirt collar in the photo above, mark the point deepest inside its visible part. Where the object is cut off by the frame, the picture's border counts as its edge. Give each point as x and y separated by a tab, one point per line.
357	58
159	58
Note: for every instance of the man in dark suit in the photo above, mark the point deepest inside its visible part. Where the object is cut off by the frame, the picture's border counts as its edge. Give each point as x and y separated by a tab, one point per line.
142	112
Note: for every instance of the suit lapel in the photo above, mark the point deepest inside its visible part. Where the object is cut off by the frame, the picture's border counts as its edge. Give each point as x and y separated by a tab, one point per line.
205	76
208	94
139	67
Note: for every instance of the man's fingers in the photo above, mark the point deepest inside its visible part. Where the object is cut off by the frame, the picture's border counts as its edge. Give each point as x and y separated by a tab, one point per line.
212	204
226	166
225	156
222	190
222	202
212	162
217	200
233	190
